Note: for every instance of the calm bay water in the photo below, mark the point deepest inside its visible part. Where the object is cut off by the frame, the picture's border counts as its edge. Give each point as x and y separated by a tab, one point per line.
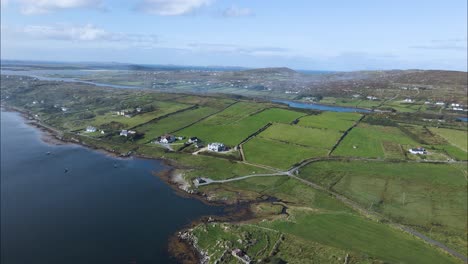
103	210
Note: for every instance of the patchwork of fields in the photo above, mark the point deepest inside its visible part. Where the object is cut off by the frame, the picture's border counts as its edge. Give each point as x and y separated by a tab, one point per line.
237	122
283	145
428	196
374	141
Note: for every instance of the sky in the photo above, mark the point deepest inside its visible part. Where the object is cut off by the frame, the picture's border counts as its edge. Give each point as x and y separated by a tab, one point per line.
338	35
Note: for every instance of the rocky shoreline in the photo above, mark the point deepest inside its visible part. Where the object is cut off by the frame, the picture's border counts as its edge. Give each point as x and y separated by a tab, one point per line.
182	245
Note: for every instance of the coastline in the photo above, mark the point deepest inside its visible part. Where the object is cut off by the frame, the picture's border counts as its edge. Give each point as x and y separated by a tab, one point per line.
179	245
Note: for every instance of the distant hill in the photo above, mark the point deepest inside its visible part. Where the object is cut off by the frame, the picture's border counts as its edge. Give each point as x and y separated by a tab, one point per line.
432	77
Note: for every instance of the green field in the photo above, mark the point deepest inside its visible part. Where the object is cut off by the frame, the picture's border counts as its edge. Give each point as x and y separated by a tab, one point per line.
457	138
354	233
429	196
237	122
173	122
278	154
325	224
297	135
331	120
282	145
373	141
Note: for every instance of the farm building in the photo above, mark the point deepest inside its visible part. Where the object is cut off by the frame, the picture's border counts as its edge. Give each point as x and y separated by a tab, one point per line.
408	100
217	147
90	129
419	150
126	133
166	139
193	140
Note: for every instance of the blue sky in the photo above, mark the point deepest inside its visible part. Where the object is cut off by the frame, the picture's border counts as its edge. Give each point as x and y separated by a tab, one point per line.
300	34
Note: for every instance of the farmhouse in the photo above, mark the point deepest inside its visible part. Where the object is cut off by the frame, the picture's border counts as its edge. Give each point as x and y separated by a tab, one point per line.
166	139
371	97
408	100
440	103
419	150
216	147
90	129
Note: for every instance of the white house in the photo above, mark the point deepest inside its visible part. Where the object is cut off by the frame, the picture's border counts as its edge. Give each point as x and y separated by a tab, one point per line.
216	147
124	133
455	105
408	100
419	150
370	97
90	129
440	103
167	139
64	109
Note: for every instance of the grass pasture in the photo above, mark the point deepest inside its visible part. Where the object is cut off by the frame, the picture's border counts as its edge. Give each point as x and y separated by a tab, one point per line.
458	138
278	154
351	232
237	122
331	120
297	135
162	108
374	141
283	145
173	122
428	196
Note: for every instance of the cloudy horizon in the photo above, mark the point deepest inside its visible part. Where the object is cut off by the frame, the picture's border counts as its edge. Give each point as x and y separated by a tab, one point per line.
337	35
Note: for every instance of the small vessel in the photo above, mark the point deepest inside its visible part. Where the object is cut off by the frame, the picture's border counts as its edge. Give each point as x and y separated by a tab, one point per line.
48	153
65	171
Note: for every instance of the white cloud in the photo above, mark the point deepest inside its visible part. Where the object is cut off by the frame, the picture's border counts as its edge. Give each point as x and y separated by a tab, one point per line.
171	7
86	33
29	7
234	11
4	3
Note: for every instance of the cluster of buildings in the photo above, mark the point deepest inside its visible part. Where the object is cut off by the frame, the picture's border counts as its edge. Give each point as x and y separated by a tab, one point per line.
126	133
370	97
91	129
168	139
216	147
128	113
